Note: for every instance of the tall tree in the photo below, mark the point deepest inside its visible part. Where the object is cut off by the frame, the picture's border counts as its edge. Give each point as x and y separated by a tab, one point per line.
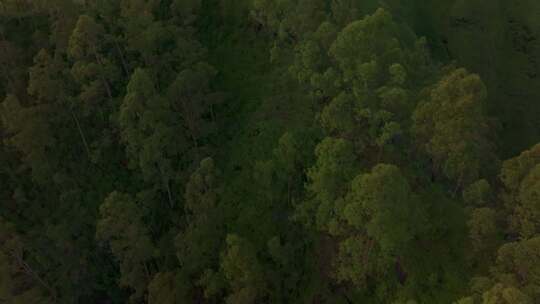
243	272
122	227
151	131
29	131
452	127
520	178
199	244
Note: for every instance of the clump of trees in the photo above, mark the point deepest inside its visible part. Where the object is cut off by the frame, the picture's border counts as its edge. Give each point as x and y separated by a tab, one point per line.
293	151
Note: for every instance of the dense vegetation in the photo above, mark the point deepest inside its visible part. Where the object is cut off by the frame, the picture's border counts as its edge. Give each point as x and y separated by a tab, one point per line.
270	151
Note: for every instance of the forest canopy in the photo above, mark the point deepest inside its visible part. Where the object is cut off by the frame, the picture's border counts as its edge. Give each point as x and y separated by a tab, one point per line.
269	151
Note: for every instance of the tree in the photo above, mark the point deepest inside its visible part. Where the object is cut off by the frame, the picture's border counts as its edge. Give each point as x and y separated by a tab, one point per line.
29	131
49	85
528	210
186	11
520	176
520	260
163	289
163	47
329	177
453	129
357	260
514	170
198	245
19	282
338	117
311	59
151	131
45	78
379	69
365	51
381	218
134	26
123	228
345	11
291	159
243	271
191	97
85	39
478	194
383	204
289	19
91	69
483	230
514	277
505	295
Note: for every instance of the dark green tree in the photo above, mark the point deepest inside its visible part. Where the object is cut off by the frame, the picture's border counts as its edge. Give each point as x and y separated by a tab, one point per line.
122	227
452	127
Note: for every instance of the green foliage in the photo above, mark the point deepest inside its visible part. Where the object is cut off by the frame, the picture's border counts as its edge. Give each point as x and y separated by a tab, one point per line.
19	283
122	227
29	132
382	203
243	271
85	39
263	151
163	289
453	129
501	294
151	130
329	177
479	193
289	19
517	265
204	222
483	229
520	177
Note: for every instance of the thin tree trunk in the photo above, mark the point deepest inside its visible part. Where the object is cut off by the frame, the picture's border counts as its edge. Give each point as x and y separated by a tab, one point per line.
103	79
367	251
146	271
187	114
196	143
30	272
81	133
289	190
458	185
212	113
169	194
124	63
167	186
157	267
